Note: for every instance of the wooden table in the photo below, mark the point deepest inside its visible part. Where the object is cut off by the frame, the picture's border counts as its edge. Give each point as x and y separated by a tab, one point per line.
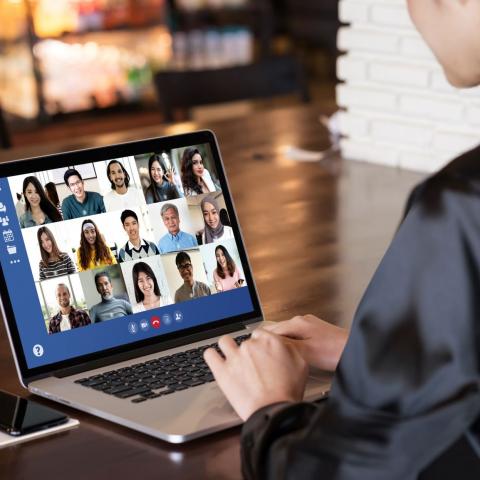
315	233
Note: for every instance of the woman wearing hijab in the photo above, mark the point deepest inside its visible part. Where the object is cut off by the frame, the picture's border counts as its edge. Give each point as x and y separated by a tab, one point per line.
214	230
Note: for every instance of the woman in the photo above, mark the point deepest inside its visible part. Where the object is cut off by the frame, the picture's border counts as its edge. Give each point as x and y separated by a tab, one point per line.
147	291
214	228
52	194
162	182
39	210
196	179
93	251
53	262
226	276
406	392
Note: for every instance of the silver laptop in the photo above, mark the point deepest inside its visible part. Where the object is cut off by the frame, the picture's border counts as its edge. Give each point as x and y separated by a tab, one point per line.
119	266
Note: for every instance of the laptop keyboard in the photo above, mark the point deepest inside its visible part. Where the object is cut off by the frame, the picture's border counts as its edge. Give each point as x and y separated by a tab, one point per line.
158	377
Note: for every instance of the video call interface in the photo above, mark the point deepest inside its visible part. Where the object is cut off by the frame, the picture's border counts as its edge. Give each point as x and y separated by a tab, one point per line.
147	234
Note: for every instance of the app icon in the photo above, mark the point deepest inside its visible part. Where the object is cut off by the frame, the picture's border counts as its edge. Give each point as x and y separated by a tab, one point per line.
4	221
8	235
11	249
3	208
38	350
178	315
144	325
167	319
133	328
155	322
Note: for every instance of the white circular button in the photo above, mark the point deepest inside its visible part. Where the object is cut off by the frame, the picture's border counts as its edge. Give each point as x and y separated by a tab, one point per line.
38	350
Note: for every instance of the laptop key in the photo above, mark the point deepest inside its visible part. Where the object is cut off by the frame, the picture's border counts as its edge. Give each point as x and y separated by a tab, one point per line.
131	392
118	389
139	400
82	380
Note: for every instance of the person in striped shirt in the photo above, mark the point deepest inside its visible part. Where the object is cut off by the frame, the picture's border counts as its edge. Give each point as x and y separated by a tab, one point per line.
54	262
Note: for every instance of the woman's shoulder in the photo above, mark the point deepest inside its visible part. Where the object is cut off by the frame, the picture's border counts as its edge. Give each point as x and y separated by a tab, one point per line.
459	179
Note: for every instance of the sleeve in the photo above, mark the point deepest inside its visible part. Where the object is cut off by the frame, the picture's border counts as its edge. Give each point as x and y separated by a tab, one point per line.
194	241
70	265
216	278
79	266
407	385
174	192
42	271
112	257
128	308
67	214
154	248
101	204
86	319
148	197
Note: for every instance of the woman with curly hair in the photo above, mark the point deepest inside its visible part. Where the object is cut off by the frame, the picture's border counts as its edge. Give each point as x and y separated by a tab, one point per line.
196	179
93	251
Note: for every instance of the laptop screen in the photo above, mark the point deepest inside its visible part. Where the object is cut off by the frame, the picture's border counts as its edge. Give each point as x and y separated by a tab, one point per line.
102	254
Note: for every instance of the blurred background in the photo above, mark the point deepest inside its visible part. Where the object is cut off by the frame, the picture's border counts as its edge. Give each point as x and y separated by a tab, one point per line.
92	66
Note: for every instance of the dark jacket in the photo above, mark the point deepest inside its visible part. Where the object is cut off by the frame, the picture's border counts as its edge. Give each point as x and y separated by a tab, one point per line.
408	384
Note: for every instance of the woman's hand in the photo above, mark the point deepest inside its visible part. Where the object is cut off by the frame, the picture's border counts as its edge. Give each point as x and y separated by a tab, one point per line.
169	174
320	343
262	371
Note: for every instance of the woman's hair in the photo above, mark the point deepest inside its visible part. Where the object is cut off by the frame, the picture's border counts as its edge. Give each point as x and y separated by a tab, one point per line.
186	168
230	263
102	252
151	188
48	208
55	250
147	270
51	191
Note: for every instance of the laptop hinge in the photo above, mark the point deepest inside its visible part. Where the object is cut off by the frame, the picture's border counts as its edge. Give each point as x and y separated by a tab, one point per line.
148	350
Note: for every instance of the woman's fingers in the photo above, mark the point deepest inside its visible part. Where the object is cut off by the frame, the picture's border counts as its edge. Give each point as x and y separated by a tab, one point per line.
228	345
293	328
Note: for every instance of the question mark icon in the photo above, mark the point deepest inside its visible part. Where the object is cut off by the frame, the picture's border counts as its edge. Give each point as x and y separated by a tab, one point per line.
38	350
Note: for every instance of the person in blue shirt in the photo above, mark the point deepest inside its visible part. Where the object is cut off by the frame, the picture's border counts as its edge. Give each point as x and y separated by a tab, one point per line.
81	203
175	239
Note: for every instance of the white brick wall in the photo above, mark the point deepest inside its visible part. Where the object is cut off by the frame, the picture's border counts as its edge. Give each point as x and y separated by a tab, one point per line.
398	108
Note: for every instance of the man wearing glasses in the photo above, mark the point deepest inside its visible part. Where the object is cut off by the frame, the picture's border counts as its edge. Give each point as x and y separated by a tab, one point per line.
191	288
81	202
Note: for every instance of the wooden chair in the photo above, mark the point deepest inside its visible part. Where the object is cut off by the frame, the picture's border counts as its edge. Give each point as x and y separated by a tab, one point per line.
5	141
268	78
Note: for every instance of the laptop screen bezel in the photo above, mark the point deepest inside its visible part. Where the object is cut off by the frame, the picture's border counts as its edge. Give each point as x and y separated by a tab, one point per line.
77	157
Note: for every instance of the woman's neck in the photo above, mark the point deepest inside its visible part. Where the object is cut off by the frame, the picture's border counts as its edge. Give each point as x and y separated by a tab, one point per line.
35	209
52	257
151	299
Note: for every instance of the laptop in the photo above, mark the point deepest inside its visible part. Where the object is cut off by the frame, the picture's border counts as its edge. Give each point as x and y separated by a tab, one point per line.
113	285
